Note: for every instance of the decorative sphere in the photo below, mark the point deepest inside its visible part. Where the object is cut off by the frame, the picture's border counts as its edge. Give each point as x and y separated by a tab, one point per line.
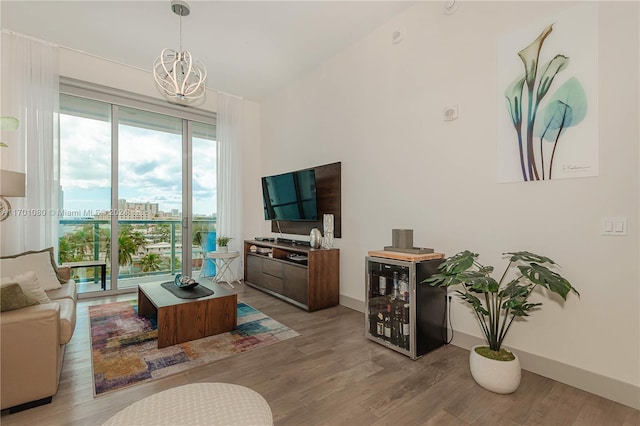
315	238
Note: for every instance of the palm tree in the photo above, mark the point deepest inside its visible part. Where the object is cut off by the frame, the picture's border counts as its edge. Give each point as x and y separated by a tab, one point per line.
128	244
151	262
78	245
164	232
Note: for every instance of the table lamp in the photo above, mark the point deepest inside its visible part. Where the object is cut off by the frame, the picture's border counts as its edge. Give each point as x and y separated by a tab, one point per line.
11	185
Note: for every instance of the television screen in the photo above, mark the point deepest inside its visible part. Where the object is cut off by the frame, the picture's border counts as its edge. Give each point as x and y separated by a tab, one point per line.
290	196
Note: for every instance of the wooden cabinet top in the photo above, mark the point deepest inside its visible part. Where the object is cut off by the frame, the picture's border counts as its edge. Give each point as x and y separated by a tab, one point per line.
300	248
408	257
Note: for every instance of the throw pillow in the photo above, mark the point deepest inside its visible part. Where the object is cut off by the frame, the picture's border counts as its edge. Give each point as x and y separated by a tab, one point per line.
12	298
29	285
41	262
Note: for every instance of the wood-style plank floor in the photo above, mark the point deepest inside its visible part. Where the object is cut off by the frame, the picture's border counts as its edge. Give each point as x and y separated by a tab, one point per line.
332	375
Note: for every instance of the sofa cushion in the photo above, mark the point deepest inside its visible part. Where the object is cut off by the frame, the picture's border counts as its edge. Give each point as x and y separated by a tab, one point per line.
67	319
29	285
41	262
12	298
66	291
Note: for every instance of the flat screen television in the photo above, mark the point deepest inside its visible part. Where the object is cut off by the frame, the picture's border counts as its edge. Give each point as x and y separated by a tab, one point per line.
290	196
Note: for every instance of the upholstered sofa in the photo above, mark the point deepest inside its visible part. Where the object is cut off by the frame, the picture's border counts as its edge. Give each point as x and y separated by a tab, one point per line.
37	320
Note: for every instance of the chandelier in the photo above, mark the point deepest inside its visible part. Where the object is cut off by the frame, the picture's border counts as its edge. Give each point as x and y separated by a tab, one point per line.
177	74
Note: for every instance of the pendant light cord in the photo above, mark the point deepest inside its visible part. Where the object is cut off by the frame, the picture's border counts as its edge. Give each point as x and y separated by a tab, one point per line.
180	31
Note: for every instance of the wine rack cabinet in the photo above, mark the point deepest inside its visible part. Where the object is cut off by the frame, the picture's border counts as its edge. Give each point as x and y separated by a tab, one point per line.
406	317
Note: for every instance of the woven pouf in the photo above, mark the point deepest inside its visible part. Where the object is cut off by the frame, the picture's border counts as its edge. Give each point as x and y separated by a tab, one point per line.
198	404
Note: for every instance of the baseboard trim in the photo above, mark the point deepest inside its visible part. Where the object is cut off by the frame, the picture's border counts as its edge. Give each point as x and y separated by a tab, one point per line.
606	387
351	303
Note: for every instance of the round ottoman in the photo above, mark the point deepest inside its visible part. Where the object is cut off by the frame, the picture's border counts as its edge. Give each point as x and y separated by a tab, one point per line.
198	404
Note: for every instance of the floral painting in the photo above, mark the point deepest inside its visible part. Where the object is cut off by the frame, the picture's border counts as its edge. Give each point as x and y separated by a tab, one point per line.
547	100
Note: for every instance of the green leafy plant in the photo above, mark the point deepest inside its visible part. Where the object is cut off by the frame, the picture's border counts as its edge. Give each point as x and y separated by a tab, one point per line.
223	241
498	303
151	262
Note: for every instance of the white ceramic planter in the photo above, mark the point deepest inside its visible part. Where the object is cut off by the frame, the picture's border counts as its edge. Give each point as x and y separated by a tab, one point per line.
222	249
496	376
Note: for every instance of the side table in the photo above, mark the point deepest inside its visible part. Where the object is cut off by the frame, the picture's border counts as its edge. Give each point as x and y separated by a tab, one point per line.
91	264
223	261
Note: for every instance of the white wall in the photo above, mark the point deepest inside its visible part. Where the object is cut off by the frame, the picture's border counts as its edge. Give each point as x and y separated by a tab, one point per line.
377	107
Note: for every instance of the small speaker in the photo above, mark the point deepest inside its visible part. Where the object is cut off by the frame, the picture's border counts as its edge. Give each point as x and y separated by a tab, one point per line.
402	238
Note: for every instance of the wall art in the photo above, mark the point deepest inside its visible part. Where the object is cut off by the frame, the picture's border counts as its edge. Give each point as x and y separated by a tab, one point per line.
547	98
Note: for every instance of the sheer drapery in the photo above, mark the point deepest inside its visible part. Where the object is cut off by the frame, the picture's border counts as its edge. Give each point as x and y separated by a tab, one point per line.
229	137
30	93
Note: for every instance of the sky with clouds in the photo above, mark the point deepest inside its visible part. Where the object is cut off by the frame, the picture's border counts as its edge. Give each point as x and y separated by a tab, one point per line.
150	167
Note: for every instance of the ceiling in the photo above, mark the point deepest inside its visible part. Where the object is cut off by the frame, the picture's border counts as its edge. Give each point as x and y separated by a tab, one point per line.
250	48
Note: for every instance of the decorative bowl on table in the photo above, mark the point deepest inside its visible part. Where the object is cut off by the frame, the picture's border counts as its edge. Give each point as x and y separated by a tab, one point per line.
184	282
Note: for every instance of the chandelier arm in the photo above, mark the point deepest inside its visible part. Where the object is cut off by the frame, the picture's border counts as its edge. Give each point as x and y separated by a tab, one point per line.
185	79
203	71
201	75
193	87
174	77
171	76
159	81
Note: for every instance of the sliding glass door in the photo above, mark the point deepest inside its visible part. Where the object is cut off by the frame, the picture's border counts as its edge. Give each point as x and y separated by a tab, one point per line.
145	183
149	196
86	185
203	202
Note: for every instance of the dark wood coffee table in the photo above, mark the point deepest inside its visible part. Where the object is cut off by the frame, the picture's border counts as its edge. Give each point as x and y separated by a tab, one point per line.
182	320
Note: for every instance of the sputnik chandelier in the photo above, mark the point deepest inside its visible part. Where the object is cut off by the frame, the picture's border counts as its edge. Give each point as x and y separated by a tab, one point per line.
177	74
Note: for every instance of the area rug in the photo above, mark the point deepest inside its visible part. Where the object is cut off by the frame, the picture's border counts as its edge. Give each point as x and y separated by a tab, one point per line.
125	351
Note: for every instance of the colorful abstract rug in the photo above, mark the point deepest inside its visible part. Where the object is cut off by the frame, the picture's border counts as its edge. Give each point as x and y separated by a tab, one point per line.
124	345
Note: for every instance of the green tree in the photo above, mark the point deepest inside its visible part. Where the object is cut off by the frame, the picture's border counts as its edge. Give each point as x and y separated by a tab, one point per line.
129	242
77	245
151	262
65	251
163	232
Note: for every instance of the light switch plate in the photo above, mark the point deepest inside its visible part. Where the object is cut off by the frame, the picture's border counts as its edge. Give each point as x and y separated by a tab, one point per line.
614	225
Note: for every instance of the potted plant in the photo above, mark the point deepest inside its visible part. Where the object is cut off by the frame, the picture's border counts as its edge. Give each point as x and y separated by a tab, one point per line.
223	243
497	304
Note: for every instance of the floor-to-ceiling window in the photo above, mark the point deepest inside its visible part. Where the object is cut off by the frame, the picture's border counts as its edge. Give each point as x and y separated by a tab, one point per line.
85	180
138	186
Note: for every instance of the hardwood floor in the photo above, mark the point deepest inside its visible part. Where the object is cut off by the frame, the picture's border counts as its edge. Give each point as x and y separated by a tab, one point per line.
332	375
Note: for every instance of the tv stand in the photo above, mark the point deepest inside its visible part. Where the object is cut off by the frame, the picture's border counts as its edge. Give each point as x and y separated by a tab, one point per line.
311	285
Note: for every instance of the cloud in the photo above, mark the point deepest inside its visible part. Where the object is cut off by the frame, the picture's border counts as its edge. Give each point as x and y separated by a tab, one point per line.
149	166
141	169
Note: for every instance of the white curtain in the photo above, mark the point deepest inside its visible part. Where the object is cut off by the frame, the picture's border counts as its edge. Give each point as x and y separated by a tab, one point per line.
30	93
229	137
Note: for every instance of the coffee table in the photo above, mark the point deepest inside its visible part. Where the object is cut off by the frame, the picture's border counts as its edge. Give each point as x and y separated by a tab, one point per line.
181	320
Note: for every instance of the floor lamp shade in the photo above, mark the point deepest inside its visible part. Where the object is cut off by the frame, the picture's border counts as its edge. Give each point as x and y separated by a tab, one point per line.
12	184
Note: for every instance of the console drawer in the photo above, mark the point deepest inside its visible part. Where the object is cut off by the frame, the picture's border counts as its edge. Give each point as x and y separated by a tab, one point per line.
272	267
295	284
254	269
272	283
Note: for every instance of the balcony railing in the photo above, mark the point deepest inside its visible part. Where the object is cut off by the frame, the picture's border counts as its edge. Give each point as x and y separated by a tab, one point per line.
89	239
